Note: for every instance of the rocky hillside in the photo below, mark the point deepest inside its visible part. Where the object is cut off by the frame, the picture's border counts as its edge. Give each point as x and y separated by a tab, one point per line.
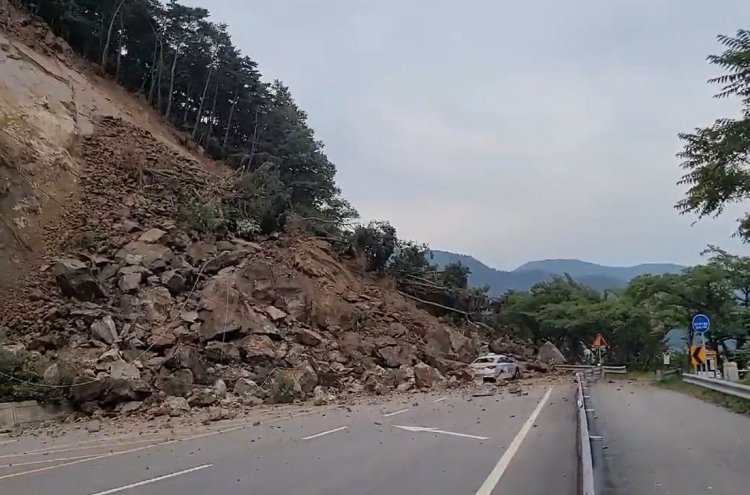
137	304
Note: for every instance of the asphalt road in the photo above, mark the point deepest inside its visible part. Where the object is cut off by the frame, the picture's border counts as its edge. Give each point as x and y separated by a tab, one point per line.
658	441
441	445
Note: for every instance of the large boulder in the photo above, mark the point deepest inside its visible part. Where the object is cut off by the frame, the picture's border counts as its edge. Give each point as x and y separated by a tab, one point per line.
76	280
444	341
549	354
222	352
123	369
404	378
395	356
257	349
187	357
226	308
178	384
425	376
303	378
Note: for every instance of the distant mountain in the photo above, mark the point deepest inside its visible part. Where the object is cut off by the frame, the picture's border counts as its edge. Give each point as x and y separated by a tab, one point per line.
578	268
524	277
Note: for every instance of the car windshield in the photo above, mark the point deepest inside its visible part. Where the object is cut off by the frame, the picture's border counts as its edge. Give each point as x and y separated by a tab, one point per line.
487	359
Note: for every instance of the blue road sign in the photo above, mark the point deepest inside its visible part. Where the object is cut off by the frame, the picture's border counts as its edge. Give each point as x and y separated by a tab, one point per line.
701	323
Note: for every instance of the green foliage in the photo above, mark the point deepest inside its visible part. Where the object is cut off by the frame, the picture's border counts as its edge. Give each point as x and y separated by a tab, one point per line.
377	241
455	275
201	215
282	389
20	378
715	158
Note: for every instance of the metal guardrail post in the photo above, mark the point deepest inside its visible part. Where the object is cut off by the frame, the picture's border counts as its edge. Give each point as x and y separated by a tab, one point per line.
585	459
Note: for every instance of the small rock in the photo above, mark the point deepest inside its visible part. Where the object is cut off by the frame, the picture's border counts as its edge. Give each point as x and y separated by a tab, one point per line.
104	330
176	406
123	369
93	426
309	337
275	313
174	281
130	282
220	388
130	226
245	386
152	236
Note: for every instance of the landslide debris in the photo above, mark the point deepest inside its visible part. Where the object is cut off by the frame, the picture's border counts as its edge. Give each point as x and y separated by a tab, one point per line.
138	309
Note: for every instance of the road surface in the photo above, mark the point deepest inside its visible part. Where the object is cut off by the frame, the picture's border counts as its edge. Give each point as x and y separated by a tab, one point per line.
655	441
425	444
659	441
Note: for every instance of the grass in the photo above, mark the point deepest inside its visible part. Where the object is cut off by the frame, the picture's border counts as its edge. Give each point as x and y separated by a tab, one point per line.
734	404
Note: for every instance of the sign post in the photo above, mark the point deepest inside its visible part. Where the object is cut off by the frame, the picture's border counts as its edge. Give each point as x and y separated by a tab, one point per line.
700	323
599	344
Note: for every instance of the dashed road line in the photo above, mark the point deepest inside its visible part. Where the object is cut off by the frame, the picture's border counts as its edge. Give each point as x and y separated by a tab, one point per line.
441	399
325	433
87	447
5	442
494	478
47	461
153	480
395	413
146	447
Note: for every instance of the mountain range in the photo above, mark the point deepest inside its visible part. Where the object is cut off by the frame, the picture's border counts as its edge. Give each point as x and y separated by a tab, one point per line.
599	277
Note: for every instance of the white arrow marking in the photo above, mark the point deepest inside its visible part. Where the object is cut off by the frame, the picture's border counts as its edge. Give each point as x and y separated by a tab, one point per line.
413	428
443	432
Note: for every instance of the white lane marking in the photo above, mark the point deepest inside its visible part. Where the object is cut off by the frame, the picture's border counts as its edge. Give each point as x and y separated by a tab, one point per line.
394	413
325	433
47	461
154	480
492	480
441	399
139	449
435	430
8	441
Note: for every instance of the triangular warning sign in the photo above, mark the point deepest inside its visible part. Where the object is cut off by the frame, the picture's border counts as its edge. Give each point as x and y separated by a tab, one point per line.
599	341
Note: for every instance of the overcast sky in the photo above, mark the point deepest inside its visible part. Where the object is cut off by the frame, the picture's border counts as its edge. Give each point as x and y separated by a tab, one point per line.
511	131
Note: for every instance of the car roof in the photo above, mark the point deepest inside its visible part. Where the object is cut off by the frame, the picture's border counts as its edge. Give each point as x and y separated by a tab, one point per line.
492	356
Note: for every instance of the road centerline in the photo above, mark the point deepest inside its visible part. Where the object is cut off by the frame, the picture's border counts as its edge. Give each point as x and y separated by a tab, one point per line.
325	433
395	413
497	473
154	480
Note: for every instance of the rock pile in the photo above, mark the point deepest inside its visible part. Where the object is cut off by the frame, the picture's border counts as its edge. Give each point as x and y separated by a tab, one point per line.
142	313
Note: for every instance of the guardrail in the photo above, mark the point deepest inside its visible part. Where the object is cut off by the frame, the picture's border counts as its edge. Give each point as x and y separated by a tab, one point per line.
661	375
618	370
585	459
725	387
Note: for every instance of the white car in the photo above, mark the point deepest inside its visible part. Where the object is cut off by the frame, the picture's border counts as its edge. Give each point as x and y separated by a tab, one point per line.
492	366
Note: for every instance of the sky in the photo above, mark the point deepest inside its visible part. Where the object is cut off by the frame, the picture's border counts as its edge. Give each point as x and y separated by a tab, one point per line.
511	131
